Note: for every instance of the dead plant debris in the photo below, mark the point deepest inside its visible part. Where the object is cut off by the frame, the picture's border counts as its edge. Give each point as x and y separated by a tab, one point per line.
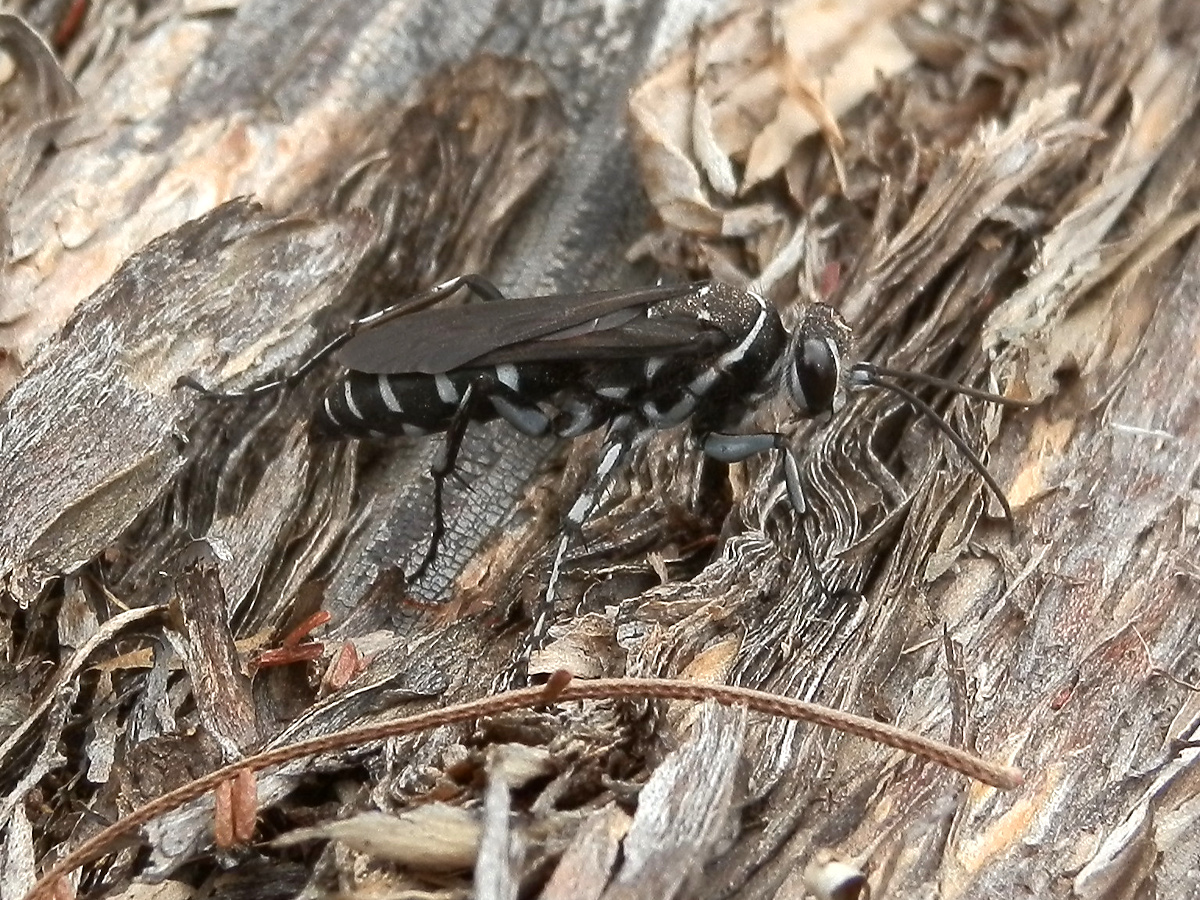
204	622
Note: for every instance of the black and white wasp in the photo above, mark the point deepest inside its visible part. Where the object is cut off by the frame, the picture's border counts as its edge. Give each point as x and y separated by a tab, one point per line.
632	361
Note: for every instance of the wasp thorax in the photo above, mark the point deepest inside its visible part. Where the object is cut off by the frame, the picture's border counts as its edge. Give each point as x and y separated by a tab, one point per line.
815	371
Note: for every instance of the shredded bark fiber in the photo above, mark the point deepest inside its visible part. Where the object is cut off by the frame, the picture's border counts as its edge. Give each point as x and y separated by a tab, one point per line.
1002	194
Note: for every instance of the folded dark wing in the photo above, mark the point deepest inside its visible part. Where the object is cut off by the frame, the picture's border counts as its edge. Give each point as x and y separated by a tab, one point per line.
446	338
639	338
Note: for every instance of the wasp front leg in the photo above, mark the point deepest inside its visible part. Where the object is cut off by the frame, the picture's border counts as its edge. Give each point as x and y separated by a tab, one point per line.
731	448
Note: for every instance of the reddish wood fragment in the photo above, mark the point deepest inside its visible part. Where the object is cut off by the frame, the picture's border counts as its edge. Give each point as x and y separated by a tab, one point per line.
68	26
305	628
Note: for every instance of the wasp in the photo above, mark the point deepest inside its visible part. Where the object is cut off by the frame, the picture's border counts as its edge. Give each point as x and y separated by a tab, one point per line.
630	361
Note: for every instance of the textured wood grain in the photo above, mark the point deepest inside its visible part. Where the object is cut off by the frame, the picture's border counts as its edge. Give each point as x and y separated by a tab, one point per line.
1003	194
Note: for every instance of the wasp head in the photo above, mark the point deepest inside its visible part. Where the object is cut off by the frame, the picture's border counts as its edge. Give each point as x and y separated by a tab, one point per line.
816	369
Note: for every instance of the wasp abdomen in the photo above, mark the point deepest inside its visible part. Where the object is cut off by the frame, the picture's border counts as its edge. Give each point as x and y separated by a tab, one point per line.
366	405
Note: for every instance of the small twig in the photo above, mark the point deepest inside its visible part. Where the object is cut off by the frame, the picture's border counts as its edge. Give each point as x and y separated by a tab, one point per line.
557	691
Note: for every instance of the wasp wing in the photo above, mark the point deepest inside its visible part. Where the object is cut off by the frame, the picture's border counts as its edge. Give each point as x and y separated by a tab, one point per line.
638	338
446	338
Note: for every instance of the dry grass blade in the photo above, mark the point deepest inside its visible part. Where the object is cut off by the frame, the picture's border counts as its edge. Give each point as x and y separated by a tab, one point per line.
996	775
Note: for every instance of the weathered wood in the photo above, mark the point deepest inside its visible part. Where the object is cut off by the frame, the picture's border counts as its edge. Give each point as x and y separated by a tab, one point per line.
1011	199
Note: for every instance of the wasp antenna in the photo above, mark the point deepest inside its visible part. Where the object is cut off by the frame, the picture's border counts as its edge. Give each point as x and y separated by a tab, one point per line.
944	427
873	372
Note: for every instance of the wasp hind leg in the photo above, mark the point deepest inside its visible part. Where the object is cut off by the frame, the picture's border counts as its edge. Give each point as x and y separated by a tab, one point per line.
442	468
478	285
527	419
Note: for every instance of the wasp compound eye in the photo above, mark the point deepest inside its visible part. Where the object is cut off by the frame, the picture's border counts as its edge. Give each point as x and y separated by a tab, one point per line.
815	376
